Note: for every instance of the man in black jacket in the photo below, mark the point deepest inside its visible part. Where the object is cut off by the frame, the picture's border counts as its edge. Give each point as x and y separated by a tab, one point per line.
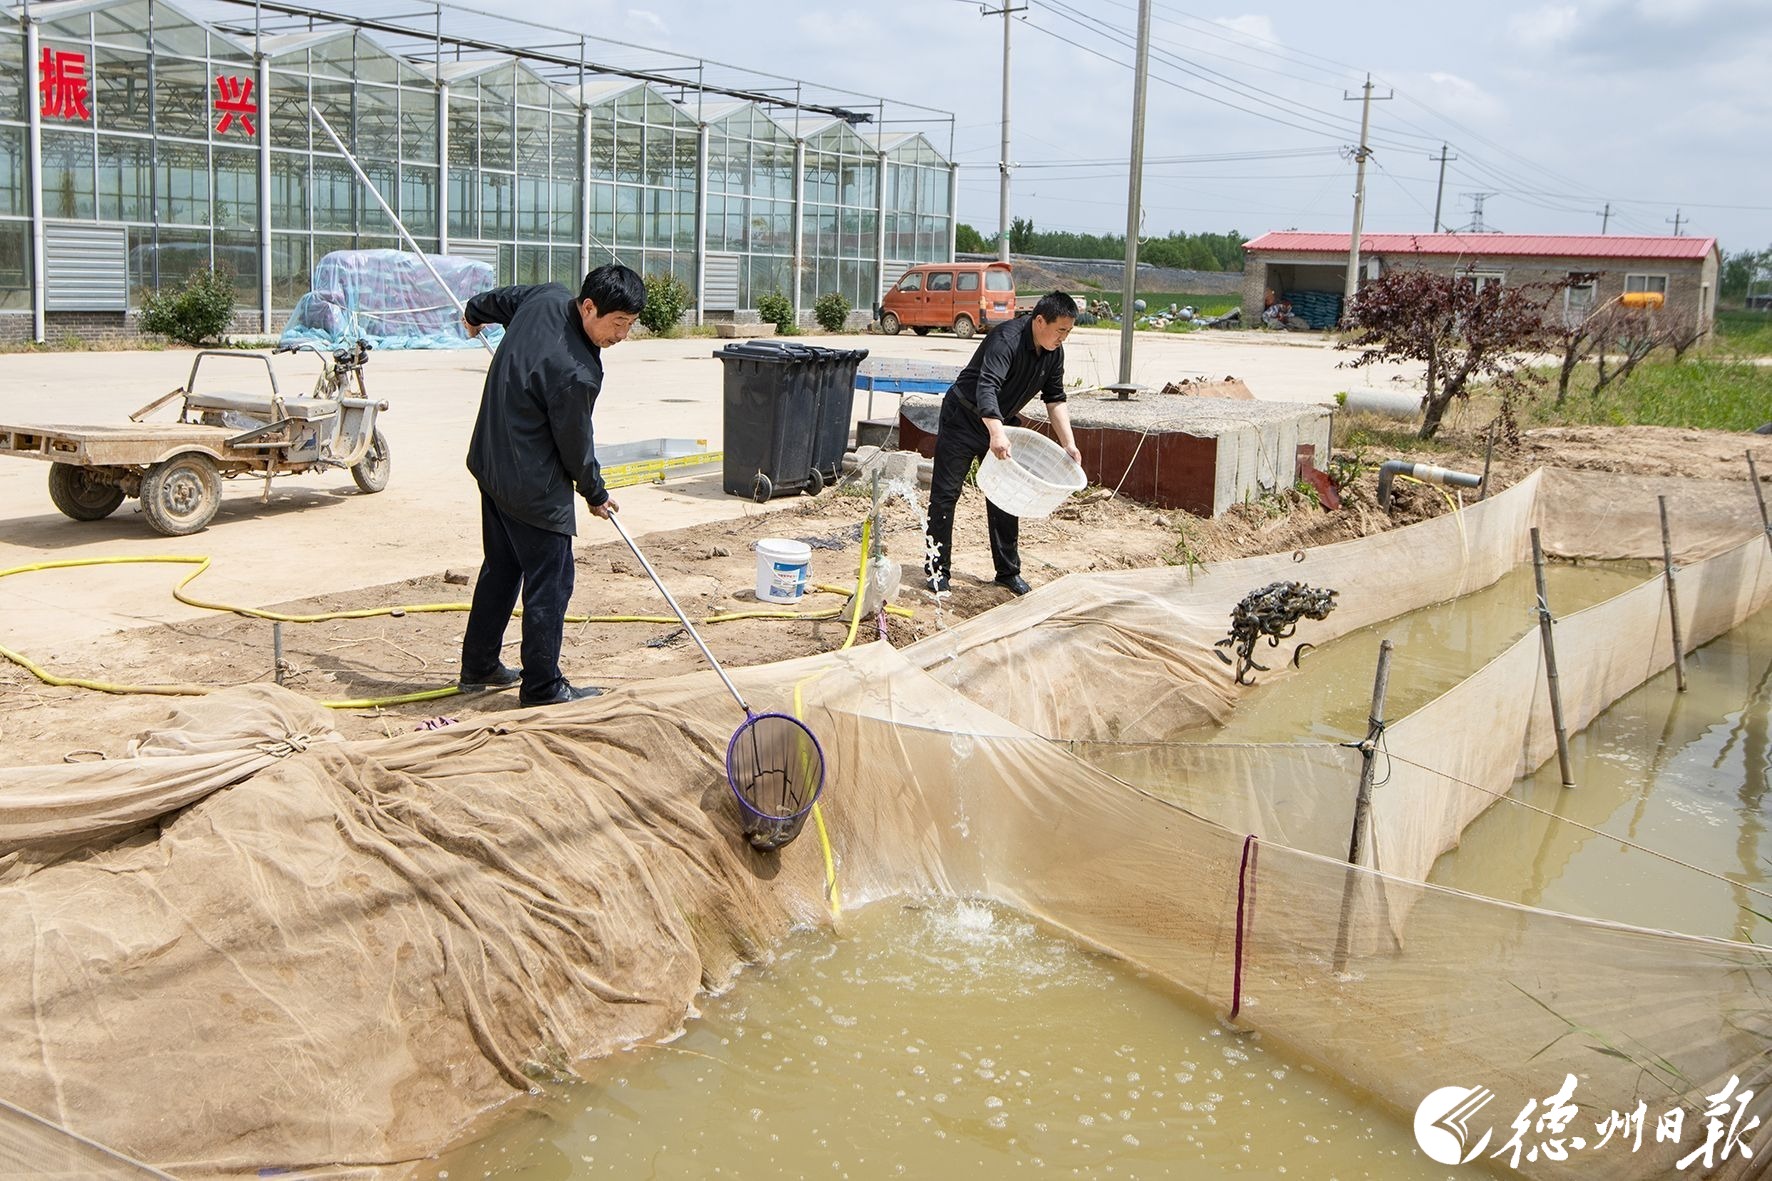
531	447
1014	362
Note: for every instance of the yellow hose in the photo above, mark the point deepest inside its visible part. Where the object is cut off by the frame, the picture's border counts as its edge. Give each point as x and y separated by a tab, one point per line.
202	564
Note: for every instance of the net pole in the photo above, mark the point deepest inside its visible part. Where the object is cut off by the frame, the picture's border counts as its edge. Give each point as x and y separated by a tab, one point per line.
678	611
1673	598
393	217
1356	848
1550	663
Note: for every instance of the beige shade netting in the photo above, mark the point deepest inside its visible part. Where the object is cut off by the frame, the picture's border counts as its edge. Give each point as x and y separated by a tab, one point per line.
254	946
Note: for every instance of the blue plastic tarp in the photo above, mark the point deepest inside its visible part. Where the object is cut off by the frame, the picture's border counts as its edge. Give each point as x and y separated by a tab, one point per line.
390	299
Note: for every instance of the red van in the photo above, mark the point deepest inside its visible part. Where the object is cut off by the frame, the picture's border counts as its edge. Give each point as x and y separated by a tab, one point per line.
967	297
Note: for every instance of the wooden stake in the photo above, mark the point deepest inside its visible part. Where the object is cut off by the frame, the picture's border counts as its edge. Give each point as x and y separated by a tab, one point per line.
1488	456
1356	849
1550	663
1673	599
1759	496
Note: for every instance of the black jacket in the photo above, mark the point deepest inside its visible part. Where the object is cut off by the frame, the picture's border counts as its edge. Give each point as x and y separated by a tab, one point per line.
1008	369
532	442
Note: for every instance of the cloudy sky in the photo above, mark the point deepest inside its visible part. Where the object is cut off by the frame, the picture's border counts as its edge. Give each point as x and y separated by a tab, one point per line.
1555	109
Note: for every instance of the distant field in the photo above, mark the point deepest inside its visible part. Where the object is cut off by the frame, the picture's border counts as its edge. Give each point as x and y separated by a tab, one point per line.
1154	301
1707	392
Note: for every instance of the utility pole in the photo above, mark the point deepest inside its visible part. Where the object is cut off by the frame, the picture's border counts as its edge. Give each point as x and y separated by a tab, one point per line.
1353	244
1440	192
1605	218
1008	10
1676	219
1141	68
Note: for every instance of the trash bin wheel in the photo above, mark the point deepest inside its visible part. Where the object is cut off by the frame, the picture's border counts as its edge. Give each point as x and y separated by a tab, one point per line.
762	489
963	327
889	324
815	484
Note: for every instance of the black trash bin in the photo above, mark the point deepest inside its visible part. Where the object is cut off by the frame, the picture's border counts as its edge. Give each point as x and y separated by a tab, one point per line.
836	401
786	415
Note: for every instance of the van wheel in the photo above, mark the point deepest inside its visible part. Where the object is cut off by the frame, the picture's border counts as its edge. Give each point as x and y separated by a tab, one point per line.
963	327
921	331
889	324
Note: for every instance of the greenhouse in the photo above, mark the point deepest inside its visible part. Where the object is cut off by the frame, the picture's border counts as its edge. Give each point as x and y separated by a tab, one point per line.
173	139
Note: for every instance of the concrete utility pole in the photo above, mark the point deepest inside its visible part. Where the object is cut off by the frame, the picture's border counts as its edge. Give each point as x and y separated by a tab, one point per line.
1007	11
1141	68
1353	243
1676	219
1605	217
1440	193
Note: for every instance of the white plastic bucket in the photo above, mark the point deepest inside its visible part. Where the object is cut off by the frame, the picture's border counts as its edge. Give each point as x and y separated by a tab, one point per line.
781	569
1037	477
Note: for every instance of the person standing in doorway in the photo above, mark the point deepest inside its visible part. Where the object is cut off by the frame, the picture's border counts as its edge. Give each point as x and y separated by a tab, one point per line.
1014	362
532	448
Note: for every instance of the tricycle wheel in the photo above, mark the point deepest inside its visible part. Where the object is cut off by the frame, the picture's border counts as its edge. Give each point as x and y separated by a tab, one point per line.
181	495
81	493
371	472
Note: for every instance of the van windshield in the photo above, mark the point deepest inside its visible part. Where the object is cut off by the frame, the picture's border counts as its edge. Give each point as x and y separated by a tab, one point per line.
911	283
998	281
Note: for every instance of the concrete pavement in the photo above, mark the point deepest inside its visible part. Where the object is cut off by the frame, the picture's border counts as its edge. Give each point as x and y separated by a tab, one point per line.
318	534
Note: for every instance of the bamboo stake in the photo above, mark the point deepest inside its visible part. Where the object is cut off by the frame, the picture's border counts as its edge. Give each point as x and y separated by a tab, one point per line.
1673	599
1356	849
1550	663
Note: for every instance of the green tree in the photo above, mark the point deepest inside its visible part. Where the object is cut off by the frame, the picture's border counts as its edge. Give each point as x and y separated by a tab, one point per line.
1021	236
1741	269
969	241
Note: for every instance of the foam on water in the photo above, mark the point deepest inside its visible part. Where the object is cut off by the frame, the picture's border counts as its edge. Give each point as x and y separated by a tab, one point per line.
948	1038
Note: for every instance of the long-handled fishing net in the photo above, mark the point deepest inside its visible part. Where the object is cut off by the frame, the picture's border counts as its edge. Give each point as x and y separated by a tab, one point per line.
774	764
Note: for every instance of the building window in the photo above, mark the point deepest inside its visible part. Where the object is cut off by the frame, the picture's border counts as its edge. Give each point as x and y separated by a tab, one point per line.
1482	279
1656	283
1578	301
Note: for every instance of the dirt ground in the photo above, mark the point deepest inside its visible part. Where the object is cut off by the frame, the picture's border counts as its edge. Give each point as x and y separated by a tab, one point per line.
711	569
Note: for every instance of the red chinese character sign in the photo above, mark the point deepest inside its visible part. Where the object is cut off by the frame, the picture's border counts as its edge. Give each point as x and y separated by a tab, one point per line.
62	84
234	99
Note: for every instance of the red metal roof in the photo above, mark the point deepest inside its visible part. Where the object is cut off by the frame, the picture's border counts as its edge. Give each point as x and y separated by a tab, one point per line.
1490	245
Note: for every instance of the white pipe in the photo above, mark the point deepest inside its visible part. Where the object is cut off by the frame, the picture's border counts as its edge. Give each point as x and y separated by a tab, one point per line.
33	87
395	218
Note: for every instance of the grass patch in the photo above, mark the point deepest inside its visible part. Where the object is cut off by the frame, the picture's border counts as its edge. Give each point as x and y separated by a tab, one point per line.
1743	333
1705	393
1154	301
1361	432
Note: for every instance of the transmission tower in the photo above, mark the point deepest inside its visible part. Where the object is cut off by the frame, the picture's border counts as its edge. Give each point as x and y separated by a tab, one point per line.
1476	225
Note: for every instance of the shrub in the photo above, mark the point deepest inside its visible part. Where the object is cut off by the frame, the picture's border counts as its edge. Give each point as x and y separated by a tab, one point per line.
198	312
667	297
831	310
774	308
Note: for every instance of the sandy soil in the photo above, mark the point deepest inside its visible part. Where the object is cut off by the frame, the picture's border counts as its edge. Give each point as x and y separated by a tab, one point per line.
711	568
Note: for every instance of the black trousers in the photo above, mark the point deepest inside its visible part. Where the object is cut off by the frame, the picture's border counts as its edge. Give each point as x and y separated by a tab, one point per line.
526	559
960	439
